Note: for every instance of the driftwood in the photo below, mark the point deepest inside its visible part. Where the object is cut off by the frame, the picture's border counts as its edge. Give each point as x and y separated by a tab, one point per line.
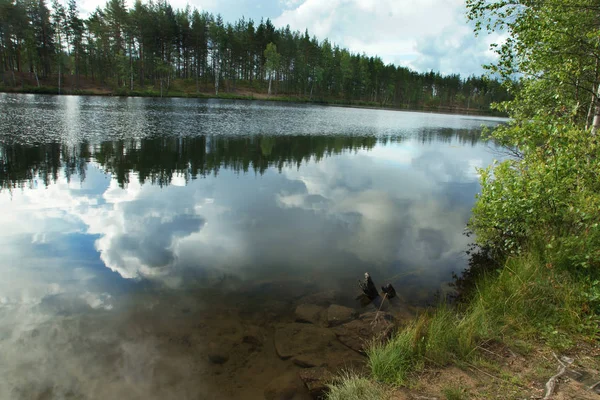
370	290
551	384
389	291
368	287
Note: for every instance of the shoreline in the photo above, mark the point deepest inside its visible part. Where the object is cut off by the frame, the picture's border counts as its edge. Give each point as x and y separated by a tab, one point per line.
251	96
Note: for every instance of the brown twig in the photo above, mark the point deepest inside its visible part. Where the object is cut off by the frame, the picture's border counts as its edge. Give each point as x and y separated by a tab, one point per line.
377	313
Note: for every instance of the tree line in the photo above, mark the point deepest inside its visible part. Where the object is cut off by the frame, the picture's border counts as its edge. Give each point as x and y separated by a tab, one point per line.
152	45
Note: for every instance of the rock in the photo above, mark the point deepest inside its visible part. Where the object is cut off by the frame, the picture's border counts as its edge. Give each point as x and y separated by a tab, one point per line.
216	354
310	313
309	360
371	326
287	387
309	346
337	315
253	336
295	339
316	380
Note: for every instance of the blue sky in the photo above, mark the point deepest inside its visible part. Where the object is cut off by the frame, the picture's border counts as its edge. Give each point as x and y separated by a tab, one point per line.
421	34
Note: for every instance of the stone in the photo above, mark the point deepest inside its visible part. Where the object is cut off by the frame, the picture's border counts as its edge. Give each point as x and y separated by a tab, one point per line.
217	354
310	313
307	346
309	360
357	334
316	381
337	314
253	336
287	387
296	338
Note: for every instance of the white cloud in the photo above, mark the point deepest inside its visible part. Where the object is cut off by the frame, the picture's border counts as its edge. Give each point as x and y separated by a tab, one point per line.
430	34
387	221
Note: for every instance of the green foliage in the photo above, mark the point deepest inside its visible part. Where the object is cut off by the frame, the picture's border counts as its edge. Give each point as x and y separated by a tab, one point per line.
454	393
551	193
354	387
552	45
526	300
272	57
393	362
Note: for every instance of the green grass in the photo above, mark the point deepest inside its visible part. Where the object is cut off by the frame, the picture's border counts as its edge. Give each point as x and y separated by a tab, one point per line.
354	387
526	301
455	393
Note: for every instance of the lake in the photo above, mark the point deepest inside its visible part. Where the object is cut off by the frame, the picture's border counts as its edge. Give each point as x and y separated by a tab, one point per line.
139	235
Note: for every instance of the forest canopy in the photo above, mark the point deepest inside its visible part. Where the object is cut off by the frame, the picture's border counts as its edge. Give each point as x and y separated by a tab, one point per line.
151	45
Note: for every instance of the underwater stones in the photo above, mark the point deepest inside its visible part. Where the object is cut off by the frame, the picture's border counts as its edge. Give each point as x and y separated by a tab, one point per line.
316	381
217	354
309	360
310	346
253	336
287	387
357	334
295	339
337	314
310	313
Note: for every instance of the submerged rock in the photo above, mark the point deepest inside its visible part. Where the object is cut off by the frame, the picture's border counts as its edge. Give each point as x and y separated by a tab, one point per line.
316	381
253	335
295	339
217	354
358	334
337	314
310	313
309	360
287	387
309	346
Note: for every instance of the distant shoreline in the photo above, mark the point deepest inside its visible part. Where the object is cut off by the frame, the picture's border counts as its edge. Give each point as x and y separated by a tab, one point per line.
46	90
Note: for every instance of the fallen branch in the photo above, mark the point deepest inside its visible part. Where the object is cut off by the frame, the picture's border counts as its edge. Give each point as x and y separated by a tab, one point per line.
594	386
377	313
551	384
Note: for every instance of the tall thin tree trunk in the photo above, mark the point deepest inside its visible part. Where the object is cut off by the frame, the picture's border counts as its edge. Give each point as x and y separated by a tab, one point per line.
596	120
270	84
588	118
217	84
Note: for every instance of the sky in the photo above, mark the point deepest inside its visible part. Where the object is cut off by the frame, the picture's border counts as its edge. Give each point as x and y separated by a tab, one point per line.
421	34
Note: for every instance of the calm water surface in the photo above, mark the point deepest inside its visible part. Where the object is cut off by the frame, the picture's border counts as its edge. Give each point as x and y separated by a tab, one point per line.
136	231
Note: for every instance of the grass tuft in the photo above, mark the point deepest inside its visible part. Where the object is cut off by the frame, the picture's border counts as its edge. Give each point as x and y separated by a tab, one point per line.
454	393
354	387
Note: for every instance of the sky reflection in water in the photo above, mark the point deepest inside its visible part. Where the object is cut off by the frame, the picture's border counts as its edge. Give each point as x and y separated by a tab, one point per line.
107	200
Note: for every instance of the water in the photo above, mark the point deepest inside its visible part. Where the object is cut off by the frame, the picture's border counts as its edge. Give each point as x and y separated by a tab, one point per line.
137	231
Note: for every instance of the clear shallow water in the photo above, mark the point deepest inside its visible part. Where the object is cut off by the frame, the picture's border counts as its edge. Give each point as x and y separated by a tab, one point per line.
135	231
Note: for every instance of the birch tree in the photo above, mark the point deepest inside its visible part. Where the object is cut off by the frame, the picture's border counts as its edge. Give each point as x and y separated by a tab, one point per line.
554	47
272	60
